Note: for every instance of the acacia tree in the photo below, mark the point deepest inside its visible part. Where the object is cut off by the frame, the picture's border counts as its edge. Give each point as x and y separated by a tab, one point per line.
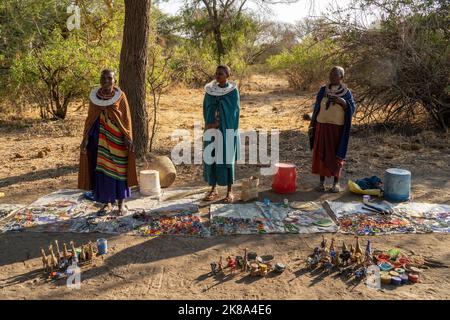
43	63
221	12
133	66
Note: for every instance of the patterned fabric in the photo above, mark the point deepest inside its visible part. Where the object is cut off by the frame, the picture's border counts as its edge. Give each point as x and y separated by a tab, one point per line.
119	112
112	158
105	189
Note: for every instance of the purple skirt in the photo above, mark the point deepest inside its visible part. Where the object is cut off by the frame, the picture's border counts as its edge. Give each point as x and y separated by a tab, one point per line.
105	188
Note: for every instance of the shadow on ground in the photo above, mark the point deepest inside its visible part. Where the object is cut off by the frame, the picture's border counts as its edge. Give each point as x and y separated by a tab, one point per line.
38	175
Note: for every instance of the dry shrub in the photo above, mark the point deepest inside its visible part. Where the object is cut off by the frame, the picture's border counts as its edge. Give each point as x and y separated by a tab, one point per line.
400	67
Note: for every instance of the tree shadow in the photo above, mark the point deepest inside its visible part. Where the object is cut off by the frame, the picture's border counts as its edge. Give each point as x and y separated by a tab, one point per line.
22	246
39	175
15	126
36	274
404	129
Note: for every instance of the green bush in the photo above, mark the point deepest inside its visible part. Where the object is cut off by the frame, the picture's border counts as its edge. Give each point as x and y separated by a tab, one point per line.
44	63
307	64
60	72
196	53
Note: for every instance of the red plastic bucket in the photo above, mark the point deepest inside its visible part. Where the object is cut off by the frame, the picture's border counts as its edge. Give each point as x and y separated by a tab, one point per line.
285	179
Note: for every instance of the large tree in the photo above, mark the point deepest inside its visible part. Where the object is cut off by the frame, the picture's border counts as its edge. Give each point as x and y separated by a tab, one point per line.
222	12
133	66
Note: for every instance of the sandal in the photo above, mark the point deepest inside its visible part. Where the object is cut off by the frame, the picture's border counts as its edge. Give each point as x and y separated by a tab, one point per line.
320	188
336	188
107	209
229	198
212	195
123	211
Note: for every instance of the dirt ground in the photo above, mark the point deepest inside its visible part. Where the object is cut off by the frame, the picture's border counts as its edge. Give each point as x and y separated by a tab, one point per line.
178	267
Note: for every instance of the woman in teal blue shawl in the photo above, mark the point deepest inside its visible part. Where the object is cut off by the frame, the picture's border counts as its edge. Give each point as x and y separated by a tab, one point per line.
221	138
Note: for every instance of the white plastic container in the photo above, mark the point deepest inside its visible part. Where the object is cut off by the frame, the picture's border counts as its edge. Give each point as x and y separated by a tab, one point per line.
366	198
149	183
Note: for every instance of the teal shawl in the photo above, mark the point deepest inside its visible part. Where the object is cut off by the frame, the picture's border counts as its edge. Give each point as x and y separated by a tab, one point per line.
226	102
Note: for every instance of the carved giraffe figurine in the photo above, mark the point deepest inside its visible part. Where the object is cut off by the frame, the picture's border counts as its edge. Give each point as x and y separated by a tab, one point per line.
82	254
332	245
352	253
245	260
323	244
358	252
358	247
345	255
220	265
58	253
66	254
91	251
53	260
74	251
45	260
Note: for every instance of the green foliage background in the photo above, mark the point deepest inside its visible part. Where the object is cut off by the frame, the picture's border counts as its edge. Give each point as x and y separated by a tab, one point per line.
44	65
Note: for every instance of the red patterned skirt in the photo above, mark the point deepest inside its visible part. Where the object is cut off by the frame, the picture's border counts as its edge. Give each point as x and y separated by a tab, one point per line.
326	142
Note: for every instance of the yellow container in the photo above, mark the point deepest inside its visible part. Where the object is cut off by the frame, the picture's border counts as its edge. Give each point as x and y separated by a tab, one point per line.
353	187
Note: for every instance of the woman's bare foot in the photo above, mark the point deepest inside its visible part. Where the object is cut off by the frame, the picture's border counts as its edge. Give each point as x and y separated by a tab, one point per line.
336	188
107	209
320	187
212	195
123	210
229	198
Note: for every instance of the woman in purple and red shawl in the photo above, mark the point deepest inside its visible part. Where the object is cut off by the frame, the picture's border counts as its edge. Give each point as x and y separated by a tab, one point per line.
107	160
329	130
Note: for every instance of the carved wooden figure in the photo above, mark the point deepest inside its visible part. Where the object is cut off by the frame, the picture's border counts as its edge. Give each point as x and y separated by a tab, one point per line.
53	260
45	261
66	254
58	253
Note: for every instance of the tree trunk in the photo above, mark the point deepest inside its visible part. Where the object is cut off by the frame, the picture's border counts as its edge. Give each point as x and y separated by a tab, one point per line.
219	44
133	66
217	33
216	25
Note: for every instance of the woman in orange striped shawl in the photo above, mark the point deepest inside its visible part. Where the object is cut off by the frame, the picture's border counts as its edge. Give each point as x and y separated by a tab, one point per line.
107	161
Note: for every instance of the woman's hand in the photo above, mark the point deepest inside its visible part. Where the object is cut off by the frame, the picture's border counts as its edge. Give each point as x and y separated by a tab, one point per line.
341	102
338	100
340	162
129	145
212	126
83	146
